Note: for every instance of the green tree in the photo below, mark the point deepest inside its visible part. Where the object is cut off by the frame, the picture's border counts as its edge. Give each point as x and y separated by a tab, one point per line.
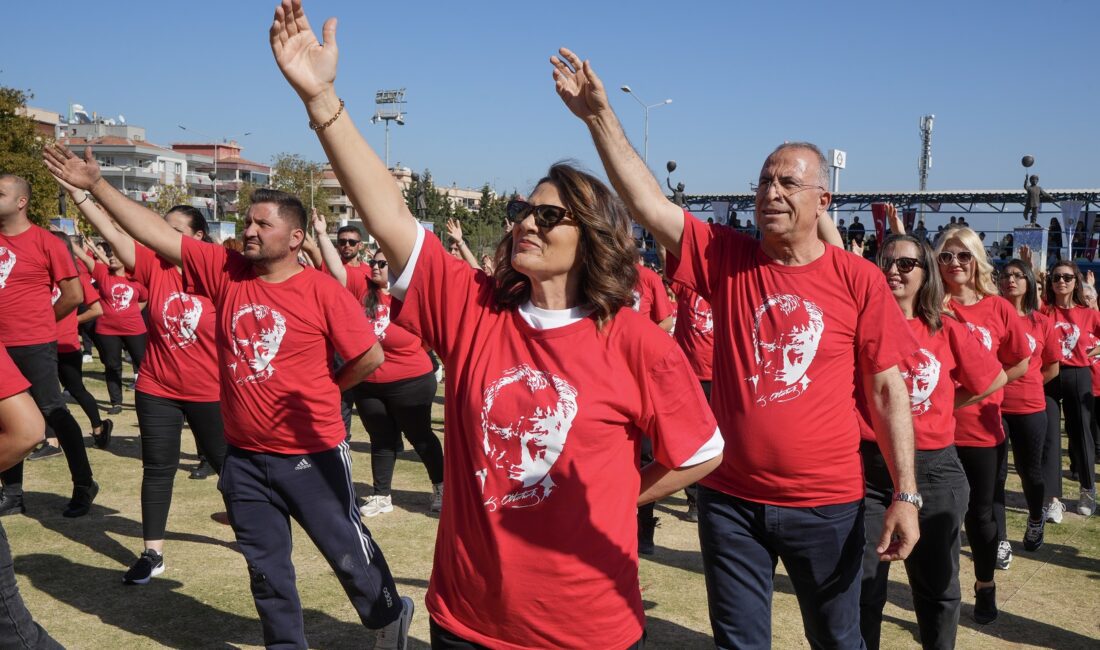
438	207
170	196
21	154
290	172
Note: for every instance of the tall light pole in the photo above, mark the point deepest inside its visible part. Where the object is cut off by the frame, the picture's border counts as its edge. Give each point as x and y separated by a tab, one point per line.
391	108
214	174
645	107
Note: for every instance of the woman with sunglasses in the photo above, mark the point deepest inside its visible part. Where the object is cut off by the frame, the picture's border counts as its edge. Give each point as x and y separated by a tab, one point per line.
951	368
1025	404
979	434
1074	322
399	395
552	380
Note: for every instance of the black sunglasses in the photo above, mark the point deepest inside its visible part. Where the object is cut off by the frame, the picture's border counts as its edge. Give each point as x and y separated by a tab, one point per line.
381	264
1064	277
947	257
905	264
546	216
348	242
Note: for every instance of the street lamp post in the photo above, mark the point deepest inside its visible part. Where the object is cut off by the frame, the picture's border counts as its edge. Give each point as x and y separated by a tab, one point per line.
214	174
124	168
645	107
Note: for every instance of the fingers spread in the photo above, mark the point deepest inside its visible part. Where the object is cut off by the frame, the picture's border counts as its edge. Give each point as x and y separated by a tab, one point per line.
573	59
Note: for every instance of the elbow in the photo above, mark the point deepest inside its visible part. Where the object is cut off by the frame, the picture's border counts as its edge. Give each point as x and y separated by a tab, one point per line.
372	359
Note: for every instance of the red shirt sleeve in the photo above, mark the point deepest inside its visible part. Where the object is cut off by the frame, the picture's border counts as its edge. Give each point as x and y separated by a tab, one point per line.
59	260
1014	348
348	328
883	337
99	274
206	266
660	307
975	367
145	261
357	285
91	295
700	248
1052	346
675	413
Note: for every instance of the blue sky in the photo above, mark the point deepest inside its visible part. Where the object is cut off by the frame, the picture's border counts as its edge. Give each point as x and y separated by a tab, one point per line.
1003	78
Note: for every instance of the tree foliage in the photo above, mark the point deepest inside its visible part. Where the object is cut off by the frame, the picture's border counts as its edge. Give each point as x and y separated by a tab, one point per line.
482	230
290	172
21	154
169	196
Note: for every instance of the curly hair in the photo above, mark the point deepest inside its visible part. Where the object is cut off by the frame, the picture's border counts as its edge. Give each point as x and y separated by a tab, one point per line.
983	273
606	248
1078	284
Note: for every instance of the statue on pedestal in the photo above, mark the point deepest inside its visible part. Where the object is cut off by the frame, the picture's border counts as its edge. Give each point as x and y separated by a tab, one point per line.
1035	194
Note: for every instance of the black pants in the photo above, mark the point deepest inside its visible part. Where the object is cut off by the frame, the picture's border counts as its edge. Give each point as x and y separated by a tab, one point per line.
160	422
17	627
1052	448
38	363
262	492
389	408
110	347
441	639
982	465
1027	434
1073	389
70	370
933	566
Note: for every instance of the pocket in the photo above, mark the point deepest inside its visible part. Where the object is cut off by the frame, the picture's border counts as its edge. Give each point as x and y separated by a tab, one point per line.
837	511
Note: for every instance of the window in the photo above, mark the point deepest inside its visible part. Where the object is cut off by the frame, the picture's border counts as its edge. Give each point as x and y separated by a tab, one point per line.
179	168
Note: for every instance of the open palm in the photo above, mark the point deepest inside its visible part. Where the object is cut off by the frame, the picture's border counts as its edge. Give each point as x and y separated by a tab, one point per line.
70	170
578	86
309	66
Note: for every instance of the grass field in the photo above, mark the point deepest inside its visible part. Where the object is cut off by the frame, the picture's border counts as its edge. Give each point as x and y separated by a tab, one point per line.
70	571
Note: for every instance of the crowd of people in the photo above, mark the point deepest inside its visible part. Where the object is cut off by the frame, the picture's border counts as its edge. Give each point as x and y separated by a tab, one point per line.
819	409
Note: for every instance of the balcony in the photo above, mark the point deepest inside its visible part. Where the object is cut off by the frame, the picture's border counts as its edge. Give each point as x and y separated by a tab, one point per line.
142	173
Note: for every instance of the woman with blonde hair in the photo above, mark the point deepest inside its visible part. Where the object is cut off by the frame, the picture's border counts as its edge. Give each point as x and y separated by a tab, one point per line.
979	435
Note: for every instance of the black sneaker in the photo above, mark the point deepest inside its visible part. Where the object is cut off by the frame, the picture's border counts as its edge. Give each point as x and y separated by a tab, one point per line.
985	605
102	440
81	503
45	450
149	565
115	409
1033	536
11	504
202	470
645	536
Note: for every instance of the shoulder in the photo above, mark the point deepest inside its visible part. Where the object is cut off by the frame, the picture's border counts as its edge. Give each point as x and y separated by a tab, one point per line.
637	337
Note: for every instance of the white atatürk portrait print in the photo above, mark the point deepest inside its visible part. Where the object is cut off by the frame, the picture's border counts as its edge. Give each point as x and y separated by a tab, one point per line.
258	331
525	422
1068	334
701	315
922	377
7	263
121	296
181	313
786	333
983	335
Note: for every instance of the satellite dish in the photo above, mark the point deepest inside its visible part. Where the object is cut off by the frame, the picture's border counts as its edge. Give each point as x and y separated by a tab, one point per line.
121	118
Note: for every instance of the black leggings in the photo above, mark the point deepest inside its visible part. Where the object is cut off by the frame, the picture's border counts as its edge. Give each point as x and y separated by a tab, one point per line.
160	421
71	373
442	639
1028	436
981	465
1073	388
389	408
110	348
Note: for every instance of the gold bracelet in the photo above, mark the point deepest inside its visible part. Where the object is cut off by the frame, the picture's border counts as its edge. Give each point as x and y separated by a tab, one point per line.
322	127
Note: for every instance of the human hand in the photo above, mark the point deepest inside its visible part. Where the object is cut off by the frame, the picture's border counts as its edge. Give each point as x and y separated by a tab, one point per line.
308	65
857	247
897	226
900	532
320	226
578	86
1090	278
80	174
454	230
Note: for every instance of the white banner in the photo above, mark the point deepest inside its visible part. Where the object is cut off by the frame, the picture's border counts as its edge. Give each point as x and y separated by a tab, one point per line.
1071	214
721	210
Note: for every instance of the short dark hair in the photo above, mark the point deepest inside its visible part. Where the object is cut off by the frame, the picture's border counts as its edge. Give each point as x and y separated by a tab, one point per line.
195	220
344	229
22	186
290	207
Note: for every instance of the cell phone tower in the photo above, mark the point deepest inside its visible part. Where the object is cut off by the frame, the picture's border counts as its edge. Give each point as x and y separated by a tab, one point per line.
925	162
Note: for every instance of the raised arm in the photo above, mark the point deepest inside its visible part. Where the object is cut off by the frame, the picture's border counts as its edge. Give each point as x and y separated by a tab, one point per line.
583	93
120	242
140	222
454	231
310	68
329	254
84	258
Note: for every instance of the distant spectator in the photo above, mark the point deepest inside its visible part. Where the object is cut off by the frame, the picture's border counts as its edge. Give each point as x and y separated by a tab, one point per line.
921	231
856	230
843	232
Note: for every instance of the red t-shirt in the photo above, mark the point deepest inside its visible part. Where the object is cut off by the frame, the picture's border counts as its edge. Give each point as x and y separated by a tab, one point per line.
31	263
12	381
650	297
1073	326
363	270
995	324
694	330
786	341
275	350
405	354
121	300
1025	395
181	359
68	330
544	430
950	356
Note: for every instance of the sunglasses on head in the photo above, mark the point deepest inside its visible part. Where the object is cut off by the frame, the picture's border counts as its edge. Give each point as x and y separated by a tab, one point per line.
905	264
381	264
546	216
348	242
947	257
1063	277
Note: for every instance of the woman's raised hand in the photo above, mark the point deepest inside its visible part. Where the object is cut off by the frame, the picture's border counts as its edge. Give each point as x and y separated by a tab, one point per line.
578	86
307	64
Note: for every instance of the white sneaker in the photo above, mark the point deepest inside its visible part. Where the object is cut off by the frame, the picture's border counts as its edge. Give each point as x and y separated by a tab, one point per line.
376	505
1004	554
395	636
1087	503
87	358
1053	512
437	497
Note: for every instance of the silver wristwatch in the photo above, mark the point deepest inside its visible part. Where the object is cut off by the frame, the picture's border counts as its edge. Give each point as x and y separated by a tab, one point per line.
910	497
